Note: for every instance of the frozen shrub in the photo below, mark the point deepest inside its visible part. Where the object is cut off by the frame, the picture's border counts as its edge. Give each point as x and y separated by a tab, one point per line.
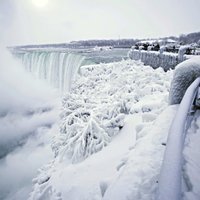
85	128
94	112
100	98
83	138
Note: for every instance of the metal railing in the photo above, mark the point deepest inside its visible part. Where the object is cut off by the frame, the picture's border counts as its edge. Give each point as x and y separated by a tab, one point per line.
170	180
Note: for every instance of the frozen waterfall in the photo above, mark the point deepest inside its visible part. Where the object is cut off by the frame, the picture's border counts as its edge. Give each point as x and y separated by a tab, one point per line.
57	68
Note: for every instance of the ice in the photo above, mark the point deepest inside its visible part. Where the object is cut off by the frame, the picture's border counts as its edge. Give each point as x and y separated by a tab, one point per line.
192	160
157	59
94	112
113	125
138	179
185	73
99	109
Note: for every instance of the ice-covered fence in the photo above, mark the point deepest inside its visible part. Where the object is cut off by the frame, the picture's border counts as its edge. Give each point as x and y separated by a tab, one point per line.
171	173
156	59
185	73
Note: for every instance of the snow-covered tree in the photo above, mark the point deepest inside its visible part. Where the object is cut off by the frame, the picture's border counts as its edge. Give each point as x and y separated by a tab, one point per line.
93	114
95	109
85	128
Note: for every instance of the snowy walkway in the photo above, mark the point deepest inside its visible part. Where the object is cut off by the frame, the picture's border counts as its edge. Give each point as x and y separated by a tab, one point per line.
98	170
126	169
138	179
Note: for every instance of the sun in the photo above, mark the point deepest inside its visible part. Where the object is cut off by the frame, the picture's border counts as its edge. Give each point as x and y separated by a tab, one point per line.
40	3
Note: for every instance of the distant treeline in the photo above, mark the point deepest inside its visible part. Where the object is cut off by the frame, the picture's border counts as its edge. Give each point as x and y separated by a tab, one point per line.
190	38
113	43
123	43
183	39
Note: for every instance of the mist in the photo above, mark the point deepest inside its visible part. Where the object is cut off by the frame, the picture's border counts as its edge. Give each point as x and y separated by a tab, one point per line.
19	167
22	99
29	110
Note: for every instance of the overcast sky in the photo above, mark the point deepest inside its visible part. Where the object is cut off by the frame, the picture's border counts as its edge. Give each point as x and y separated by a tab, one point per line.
25	22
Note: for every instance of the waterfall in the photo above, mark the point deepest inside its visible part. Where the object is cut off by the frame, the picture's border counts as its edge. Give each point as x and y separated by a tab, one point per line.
57	68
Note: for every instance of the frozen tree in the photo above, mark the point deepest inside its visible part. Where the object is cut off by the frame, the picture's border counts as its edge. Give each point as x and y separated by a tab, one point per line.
85	129
93	114
95	109
84	137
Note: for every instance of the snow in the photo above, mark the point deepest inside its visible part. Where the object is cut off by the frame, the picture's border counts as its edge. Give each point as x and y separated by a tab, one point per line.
170	179
102	48
102	167
156	59
130	156
149	41
185	73
182	51
126	169
138	179
94	112
109	142
192	160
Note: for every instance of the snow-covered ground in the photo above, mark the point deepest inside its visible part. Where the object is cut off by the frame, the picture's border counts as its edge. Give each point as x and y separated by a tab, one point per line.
109	141
126	164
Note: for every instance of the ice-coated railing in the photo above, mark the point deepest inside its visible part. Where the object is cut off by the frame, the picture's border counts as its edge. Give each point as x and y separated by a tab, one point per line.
156	59
170	180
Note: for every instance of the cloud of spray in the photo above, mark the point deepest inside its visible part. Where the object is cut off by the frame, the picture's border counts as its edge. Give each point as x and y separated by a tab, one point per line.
28	110
19	168
18	88
15	84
